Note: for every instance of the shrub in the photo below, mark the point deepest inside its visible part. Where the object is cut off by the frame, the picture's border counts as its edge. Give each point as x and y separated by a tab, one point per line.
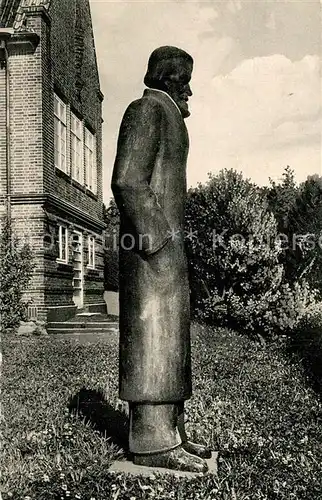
281	197
305	222
298	211
234	250
306	342
111	266
16	266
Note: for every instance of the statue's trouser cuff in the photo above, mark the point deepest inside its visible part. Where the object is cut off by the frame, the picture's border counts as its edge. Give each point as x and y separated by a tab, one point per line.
153	428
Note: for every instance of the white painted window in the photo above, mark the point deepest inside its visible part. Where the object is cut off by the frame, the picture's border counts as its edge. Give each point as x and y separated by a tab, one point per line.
63	243
90	161
60	112
91	252
77	148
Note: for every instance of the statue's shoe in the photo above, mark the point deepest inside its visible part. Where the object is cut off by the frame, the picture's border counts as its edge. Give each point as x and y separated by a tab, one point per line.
177	459
197	449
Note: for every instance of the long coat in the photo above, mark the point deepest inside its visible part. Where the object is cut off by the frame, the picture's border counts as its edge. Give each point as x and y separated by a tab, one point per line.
149	186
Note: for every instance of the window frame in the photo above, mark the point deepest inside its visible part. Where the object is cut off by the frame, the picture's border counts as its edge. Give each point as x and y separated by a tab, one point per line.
60	258
90	166
78	137
61	118
91	240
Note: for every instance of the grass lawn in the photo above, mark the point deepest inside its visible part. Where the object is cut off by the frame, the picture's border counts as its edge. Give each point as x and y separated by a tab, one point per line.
251	402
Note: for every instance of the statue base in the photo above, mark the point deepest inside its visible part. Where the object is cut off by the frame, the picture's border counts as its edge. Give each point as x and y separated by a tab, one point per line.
127	467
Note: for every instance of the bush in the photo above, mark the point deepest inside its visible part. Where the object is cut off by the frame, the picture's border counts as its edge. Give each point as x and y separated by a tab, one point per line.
305	222
16	266
306	342
281	197
298	212
234	251
111	259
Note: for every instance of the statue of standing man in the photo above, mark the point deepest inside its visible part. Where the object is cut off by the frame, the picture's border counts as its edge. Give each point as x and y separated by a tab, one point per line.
149	186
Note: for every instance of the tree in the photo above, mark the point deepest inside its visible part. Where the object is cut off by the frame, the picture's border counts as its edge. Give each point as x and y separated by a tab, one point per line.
111	268
305	228
234	249
298	211
281	198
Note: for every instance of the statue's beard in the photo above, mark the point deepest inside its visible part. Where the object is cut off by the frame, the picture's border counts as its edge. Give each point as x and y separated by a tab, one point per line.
183	106
180	101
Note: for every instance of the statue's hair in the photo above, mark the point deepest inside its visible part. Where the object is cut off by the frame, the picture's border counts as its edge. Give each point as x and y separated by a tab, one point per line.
163	62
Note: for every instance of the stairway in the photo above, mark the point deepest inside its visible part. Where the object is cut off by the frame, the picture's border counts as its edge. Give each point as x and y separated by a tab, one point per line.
84	323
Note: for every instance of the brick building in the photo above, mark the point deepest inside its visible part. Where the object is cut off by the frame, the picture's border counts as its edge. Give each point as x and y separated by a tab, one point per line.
51	150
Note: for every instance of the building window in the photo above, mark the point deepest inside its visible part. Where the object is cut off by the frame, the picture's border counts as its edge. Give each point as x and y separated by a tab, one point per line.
91	252
90	161
80	150
77	149
63	243
60	134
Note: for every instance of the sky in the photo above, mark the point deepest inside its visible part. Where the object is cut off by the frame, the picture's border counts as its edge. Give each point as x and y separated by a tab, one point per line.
256	104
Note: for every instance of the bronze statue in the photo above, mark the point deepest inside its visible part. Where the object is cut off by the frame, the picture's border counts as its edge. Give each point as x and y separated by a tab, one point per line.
149	186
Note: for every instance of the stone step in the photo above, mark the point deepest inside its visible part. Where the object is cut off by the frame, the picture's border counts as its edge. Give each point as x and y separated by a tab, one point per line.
80	325
84	331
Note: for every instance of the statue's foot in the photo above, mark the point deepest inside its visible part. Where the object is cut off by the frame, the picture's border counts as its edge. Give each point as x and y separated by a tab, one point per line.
177	459
197	449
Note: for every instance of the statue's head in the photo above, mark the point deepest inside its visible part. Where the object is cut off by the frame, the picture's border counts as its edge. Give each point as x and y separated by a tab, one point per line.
169	69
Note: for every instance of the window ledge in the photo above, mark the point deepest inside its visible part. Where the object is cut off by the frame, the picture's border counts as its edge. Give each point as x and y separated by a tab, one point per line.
78	185
63	264
62	174
91	194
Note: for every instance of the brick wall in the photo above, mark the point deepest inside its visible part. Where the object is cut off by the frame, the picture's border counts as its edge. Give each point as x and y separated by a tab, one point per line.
2	131
64	61
28	225
26	116
26	152
94	279
47	107
75	79
58	278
